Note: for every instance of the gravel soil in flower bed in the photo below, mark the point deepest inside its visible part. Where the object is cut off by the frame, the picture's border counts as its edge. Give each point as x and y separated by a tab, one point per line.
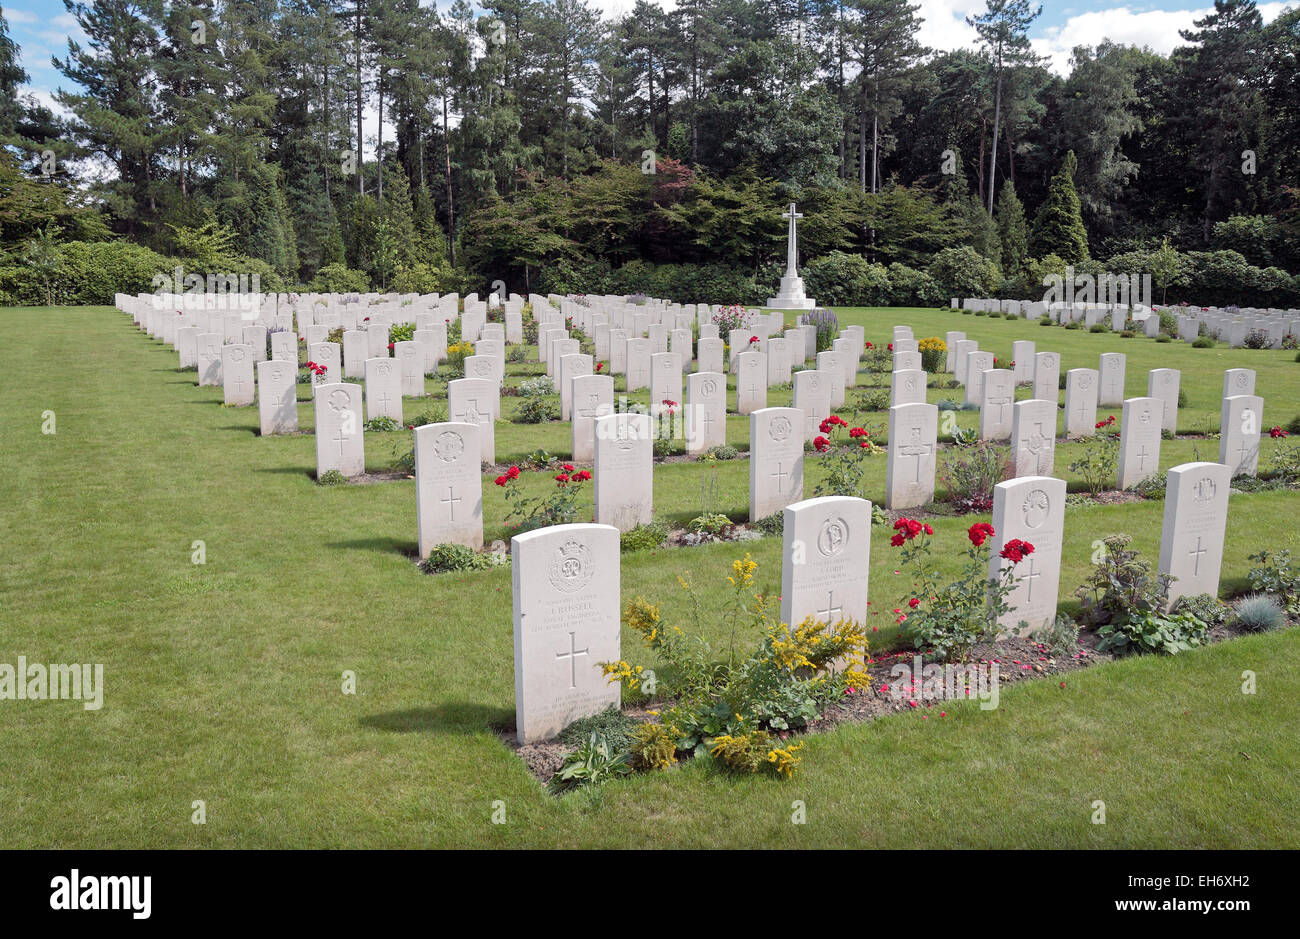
1018	659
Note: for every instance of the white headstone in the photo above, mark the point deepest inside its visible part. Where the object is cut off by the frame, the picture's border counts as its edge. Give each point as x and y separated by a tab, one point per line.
776	451
448	486
277	397
566	621
624	471
912	456
1033	438
1031	509
1240	428
472	401
827	552
1195	519
340	442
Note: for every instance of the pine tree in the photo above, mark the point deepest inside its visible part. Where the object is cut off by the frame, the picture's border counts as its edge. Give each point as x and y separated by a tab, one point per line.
1058	226
1012	231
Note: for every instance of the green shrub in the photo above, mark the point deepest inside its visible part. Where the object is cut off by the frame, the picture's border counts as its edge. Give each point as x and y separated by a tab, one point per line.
536	409
1207	608
964	272
592	764
1276	576
382	424
444	558
1121	586
339	278
644	537
331	478
1152	631
1061	636
1258	613
616	727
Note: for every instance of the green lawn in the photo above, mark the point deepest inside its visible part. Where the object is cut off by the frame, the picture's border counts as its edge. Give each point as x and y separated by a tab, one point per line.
222	681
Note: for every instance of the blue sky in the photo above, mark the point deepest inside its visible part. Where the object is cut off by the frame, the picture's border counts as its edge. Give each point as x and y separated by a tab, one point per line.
42	27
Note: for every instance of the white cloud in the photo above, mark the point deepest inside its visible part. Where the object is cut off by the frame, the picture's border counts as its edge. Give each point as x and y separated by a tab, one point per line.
1155	29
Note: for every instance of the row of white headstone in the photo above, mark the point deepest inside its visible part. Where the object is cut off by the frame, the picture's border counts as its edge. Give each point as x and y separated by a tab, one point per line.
566	580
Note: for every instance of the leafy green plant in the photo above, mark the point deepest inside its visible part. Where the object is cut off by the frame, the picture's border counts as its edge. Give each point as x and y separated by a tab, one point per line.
612	724
1061	636
711	523
970	473
381	424
592	764
1099	461
1121	585
1207	608
536	410
644	537
1259	612
331	478
1276	576
949	618
445	558
1151	631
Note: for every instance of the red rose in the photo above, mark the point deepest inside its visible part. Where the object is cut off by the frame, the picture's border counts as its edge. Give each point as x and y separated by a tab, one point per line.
1016	550
821	444
979	533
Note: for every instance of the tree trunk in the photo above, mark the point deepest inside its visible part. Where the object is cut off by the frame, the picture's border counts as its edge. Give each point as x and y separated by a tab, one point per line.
451	199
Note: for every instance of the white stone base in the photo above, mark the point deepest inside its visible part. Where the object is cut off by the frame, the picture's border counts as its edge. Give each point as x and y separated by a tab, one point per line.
791	296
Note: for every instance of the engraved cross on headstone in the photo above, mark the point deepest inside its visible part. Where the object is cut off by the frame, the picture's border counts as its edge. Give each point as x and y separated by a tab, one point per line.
572	656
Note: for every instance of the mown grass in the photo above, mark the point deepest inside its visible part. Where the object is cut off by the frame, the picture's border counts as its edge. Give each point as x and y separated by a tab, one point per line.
223	681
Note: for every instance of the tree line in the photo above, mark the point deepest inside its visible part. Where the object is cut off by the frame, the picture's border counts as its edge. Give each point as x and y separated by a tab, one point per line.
521	138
